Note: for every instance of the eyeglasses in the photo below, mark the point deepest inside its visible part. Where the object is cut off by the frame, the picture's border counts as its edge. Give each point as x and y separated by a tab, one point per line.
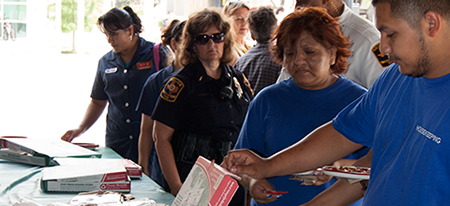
204	39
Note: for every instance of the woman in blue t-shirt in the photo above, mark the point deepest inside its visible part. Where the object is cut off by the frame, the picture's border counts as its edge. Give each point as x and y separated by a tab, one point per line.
314	51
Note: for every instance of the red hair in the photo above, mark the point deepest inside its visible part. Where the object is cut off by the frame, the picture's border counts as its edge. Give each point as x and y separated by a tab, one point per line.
323	28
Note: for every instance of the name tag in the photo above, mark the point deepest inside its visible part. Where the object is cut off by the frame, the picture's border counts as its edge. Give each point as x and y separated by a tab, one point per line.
144	65
111	70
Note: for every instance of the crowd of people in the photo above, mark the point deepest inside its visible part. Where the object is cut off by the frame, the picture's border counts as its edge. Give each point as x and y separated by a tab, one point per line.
325	87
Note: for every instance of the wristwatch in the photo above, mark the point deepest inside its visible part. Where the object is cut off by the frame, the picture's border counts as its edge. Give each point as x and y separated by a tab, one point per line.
364	186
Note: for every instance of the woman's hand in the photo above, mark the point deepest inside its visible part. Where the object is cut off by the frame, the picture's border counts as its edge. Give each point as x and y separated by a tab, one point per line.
258	190
71	134
93	112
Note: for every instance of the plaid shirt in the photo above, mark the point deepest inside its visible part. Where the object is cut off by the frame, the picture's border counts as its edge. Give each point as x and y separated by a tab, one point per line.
257	64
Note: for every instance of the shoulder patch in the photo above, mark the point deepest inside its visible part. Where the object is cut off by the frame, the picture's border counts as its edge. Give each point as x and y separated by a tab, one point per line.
382	59
144	65
172	89
247	83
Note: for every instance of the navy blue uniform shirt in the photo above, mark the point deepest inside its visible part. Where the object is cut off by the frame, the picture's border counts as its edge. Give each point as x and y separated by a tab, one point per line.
190	101
121	87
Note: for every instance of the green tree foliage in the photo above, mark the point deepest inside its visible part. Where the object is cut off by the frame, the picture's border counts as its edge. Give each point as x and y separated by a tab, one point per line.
68	16
91	14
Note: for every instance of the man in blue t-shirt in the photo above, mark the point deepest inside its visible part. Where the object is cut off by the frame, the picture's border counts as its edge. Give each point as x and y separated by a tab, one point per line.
404	117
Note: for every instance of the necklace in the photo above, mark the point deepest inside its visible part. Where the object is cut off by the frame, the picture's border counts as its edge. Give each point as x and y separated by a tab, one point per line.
335	8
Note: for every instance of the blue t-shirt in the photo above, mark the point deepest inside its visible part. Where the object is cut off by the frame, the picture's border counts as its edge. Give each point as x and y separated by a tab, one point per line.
406	120
282	114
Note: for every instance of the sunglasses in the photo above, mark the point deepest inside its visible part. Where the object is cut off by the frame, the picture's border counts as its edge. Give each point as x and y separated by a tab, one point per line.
204	39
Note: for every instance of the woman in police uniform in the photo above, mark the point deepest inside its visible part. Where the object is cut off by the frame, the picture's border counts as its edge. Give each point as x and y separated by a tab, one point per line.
120	76
201	109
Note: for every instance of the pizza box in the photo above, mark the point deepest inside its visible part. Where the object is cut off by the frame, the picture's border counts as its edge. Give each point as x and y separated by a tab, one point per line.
85	186
133	170
51	148
207	184
20	157
86	170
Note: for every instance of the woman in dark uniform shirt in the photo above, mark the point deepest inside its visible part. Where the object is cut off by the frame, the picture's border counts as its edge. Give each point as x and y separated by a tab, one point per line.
120	76
201	109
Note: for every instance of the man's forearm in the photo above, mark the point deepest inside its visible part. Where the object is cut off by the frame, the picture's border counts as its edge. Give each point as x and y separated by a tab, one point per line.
321	147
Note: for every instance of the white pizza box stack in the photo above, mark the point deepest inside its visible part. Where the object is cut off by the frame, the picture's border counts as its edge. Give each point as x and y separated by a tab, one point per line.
41	152
88	175
134	170
207	184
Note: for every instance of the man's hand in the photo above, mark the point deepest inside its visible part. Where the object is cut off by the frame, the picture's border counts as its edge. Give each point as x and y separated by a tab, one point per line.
244	161
258	190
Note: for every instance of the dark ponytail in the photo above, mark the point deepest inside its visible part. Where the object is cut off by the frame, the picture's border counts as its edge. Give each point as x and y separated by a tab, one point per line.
136	20
116	19
166	34
173	31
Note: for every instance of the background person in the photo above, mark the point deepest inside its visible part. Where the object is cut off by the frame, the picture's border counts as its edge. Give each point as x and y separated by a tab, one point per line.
238	13
120	76
201	109
404	117
367	62
314	51
257	64
171	37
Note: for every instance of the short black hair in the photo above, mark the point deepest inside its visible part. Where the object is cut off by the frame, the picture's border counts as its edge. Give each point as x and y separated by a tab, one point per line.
262	23
412	11
117	18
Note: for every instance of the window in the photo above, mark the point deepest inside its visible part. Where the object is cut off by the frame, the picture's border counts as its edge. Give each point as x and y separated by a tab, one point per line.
15	13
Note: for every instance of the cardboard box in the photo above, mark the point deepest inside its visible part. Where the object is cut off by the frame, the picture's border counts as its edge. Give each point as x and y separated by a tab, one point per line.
58	186
83	175
86	170
41	152
207	184
20	157
134	170
52	148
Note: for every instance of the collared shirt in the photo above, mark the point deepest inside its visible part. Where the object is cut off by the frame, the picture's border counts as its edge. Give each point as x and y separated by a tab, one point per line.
191	102
121	87
258	65
152	88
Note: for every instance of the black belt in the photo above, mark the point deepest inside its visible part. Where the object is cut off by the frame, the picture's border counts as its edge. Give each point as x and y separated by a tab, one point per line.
188	146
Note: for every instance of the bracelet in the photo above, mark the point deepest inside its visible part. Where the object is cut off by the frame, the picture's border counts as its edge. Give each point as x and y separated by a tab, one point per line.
364	186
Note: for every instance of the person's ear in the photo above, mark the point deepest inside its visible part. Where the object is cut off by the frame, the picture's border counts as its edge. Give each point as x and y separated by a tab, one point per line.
333	54
173	45
431	23
130	30
325	2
